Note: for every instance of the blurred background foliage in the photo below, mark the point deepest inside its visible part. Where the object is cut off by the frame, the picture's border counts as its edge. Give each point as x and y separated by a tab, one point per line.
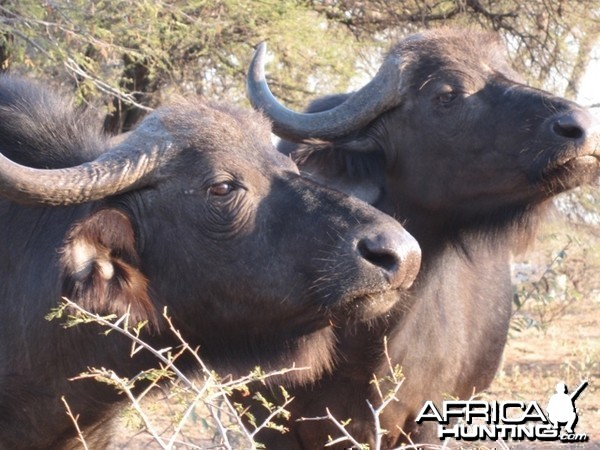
129	56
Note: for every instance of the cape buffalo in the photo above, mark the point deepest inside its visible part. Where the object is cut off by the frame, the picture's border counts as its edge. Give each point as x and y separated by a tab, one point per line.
448	139
194	211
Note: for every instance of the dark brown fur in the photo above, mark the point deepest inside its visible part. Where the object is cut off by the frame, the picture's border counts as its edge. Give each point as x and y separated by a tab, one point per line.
107	237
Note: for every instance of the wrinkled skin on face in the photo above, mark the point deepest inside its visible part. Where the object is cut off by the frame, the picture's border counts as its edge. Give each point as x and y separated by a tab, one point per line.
466	158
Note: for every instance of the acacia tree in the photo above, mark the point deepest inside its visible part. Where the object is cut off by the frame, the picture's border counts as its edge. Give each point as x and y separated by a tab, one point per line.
550	42
130	55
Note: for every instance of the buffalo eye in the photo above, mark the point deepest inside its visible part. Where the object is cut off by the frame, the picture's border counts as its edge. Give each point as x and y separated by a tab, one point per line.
220	189
446	98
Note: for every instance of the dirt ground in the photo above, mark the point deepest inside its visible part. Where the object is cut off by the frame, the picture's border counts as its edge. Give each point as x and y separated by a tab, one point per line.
568	349
560	340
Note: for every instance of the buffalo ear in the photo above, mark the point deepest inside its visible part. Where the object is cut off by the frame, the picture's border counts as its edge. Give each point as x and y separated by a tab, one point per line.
356	167
101	268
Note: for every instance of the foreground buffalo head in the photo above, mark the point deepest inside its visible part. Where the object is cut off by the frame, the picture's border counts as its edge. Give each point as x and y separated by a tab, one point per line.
446	127
195	210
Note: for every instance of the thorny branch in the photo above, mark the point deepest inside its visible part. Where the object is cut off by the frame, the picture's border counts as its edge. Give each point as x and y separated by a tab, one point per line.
211	390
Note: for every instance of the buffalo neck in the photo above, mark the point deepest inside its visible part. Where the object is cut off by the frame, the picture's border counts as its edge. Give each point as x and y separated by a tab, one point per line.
461	300
471	234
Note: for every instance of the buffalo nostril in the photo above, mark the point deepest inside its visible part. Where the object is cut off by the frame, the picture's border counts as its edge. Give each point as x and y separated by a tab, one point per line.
379	255
568	127
398	256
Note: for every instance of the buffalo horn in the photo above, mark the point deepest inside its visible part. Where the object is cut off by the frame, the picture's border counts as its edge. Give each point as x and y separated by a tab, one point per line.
376	97
119	170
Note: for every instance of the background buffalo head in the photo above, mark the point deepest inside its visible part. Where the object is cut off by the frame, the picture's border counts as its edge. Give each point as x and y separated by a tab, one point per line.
446	127
449	140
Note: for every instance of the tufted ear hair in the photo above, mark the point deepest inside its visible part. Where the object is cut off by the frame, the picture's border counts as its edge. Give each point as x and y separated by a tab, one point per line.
100	268
355	167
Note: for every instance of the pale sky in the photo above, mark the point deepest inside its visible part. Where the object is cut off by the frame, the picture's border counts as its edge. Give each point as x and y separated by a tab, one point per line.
589	92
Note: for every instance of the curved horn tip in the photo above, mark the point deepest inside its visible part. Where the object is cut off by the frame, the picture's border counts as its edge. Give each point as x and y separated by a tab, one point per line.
258	59
261	48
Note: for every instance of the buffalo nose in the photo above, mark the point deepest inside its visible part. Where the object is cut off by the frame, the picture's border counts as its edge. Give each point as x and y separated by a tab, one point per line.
572	125
398	255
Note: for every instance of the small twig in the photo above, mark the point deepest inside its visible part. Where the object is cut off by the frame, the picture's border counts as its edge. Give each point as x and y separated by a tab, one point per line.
74	420
376	412
135	403
549	267
72	65
222	430
346	436
389	359
279	410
